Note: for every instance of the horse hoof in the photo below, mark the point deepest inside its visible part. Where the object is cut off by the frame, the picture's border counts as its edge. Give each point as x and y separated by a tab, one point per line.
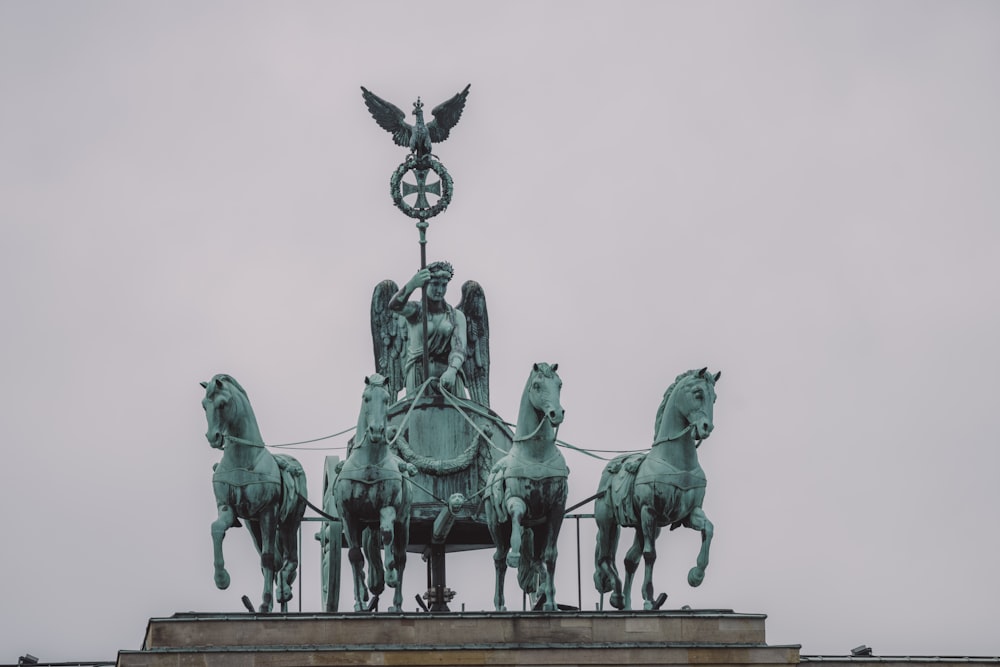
392	578
696	576
513	561
358	606
647	605
222	580
501	607
616	601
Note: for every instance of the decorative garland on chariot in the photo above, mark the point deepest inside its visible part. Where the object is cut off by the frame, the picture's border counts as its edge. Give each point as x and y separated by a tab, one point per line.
430	466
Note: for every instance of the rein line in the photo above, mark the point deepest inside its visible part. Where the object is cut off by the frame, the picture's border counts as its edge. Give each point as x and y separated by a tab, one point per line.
227	436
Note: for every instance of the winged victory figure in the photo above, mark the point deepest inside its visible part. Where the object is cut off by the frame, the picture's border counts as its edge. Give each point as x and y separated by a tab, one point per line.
418	137
459	353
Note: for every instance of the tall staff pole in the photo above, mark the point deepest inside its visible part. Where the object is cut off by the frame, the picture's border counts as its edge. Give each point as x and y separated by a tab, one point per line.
422	226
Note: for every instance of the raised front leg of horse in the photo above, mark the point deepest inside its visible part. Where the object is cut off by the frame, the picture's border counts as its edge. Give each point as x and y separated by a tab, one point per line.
516	509
226	520
698	521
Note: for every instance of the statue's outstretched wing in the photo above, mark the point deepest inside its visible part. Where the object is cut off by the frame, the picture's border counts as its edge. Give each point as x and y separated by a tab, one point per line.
446	116
388	337
477	357
390	117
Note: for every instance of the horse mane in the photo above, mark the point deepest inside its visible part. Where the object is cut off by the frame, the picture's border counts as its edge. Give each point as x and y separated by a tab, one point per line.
666	395
231	380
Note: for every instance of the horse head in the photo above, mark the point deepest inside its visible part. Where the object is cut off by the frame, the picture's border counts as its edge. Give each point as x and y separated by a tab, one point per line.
544	387
227	409
688	405
374	410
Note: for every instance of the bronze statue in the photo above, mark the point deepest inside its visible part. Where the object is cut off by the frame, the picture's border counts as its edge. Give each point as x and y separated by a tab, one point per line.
372	496
662	487
526	493
458	348
266	490
418	137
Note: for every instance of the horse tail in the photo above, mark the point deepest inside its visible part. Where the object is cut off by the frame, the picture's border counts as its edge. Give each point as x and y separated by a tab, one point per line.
294	492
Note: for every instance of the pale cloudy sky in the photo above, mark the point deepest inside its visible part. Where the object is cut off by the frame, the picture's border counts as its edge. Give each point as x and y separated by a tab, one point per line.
802	195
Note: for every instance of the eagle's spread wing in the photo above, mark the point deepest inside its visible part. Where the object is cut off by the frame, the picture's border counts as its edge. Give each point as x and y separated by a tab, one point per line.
388	337
390	117
477	356
446	116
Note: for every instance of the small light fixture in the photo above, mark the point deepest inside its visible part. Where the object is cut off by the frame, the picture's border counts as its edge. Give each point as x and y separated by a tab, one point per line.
861	650
27	659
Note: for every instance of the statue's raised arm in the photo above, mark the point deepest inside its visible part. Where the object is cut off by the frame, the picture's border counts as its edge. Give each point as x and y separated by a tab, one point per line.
457	338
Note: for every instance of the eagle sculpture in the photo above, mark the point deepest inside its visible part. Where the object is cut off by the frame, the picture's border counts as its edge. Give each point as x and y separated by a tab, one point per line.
420	136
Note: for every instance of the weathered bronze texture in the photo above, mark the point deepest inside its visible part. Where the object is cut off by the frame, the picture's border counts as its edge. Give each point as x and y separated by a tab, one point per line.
526	493
266	490
662	487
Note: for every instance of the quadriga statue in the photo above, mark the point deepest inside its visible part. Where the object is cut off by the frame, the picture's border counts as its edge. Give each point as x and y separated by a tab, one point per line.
267	491
662	487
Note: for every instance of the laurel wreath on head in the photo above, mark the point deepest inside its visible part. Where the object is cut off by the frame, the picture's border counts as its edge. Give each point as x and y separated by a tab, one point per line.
395	190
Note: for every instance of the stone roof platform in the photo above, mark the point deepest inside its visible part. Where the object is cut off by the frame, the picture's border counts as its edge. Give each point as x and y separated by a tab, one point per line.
595	639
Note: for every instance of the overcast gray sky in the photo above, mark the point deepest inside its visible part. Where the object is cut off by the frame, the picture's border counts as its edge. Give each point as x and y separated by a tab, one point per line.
802	195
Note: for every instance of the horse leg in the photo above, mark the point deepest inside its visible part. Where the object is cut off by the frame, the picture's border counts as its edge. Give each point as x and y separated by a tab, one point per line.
402	538
387	520
632	564
288	552
550	553
500	532
268	533
372	550
606	577
227	518
500	564
516	509
353	532
699	521
649	533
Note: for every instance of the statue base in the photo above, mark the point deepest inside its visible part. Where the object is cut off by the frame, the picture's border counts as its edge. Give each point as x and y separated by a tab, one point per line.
595	639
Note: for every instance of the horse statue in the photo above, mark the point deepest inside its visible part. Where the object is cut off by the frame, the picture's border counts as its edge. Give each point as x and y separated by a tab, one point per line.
372	496
266	490
662	487
526	493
